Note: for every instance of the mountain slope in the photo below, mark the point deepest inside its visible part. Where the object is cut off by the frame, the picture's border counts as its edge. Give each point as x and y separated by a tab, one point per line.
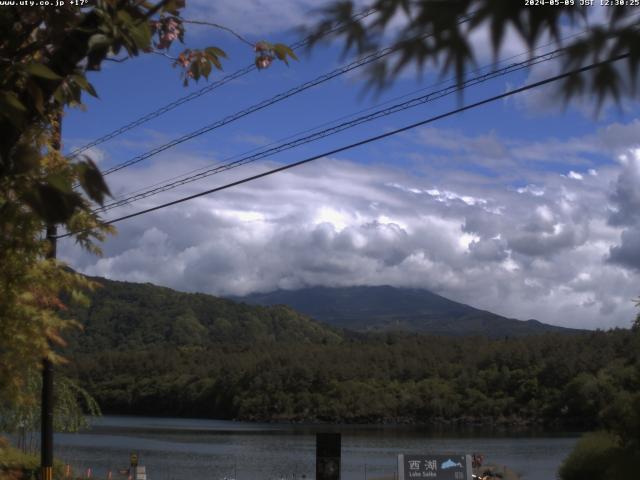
389	308
130	316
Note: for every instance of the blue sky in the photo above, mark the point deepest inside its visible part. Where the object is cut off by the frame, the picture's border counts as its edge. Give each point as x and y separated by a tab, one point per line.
520	207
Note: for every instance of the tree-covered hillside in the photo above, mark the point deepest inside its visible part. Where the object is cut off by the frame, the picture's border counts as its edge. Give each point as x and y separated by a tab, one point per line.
153	351
554	379
133	316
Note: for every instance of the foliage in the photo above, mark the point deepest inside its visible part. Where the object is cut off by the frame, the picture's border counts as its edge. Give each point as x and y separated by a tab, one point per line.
16	464
129	316
45	53
613	452
600	456
442	34
591	458
372	378
71	405
30	286
44	56
150	350
30	289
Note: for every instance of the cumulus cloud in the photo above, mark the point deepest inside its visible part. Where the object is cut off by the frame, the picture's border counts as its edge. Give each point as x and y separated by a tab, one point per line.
626	194
625	211
259	17
545	251
627	253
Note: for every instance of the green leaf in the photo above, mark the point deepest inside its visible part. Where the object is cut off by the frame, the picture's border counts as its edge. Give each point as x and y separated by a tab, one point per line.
124	17
36	96
84	84
173	6
141	35
92	181
25	158
206	70
280	52
51	204
42	71
216	52
12	108
284	50
10	100
60	182
195	70
99	41
215	61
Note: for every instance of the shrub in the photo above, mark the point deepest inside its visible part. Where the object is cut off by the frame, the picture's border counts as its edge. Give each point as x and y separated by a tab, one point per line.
592	458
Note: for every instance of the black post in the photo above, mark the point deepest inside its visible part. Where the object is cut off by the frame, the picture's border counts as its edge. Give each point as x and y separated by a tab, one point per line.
46	430
328	447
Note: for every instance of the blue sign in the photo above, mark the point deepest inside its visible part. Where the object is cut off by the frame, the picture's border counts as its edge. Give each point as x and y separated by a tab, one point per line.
434	467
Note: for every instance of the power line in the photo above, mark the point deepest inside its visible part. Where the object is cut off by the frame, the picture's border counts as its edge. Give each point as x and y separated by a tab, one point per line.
367	140
493	67
412	103
372	57
206	89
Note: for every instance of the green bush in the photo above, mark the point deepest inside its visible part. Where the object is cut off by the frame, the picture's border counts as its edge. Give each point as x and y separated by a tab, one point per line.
15	464
592	458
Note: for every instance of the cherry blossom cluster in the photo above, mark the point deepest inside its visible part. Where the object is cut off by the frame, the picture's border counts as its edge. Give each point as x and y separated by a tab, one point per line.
185	58
264	54
168	30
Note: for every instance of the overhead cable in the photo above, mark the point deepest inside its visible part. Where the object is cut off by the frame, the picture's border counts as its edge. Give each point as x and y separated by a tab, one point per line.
412	103
366	141
204	90
360	62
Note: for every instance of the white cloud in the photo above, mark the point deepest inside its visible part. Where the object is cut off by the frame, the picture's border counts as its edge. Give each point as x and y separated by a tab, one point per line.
541	251
259	17
532	190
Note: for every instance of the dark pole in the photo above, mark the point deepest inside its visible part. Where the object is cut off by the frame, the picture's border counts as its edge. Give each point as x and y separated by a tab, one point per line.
328	450
46	430
46	443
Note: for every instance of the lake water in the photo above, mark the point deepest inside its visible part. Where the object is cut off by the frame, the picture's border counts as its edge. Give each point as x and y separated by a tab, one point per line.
211	449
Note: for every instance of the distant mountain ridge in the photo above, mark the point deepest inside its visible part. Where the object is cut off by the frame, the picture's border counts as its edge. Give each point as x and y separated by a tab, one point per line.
386	308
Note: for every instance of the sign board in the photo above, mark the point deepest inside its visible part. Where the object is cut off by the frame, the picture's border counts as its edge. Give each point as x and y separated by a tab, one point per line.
133	459
434	467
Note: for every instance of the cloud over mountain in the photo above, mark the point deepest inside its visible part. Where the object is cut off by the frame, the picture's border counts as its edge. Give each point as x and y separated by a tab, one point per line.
558	249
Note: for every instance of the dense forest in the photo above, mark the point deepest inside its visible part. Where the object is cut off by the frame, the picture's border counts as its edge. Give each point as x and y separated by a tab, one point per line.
201	356
126	316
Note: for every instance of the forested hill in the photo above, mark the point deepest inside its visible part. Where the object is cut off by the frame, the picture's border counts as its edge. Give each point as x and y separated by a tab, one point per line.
133	316
149	350
385	308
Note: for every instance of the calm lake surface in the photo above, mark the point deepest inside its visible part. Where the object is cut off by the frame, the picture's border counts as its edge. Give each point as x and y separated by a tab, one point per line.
214	449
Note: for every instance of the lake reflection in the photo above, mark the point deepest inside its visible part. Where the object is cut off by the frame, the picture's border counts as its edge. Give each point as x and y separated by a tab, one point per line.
212	449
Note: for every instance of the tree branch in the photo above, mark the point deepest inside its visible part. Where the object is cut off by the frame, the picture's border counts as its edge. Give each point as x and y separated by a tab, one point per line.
118	60
158	52
221	27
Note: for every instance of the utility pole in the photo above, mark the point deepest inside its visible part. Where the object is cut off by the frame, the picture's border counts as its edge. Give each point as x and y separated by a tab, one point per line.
46	430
